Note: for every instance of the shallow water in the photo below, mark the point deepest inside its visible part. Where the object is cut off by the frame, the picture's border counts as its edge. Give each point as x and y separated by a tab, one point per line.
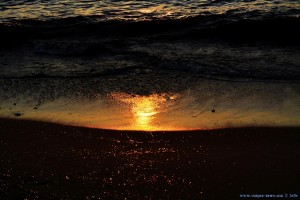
205	104
151	65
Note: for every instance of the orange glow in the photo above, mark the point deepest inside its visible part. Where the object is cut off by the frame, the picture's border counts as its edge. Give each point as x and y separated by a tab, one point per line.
160	112
144	110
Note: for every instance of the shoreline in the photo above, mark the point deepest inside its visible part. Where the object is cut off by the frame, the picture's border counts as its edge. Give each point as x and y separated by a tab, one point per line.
50	161
216	130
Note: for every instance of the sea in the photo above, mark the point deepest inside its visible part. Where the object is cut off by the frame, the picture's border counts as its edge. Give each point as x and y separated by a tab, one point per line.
180	64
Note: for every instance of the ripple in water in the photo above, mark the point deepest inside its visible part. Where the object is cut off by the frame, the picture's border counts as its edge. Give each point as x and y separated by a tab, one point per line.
140	10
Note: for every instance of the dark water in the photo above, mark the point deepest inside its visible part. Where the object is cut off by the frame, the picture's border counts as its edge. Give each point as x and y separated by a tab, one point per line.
227	39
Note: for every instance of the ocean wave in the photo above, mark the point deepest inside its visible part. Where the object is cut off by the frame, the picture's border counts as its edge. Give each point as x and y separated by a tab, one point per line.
169	69
68	48
227	26
198	45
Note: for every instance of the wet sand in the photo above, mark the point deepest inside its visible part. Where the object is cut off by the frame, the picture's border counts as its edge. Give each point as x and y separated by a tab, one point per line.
50	161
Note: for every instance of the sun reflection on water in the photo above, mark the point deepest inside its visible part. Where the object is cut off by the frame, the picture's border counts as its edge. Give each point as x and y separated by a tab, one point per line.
144	110
160	112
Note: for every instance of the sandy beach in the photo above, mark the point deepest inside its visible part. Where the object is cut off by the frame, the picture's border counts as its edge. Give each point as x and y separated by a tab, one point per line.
149	99
49	161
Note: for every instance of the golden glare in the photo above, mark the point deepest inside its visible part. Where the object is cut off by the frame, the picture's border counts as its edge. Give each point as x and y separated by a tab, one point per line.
144	109
158	112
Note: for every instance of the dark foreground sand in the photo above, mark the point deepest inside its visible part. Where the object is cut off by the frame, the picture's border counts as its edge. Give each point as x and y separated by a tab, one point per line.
48	161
